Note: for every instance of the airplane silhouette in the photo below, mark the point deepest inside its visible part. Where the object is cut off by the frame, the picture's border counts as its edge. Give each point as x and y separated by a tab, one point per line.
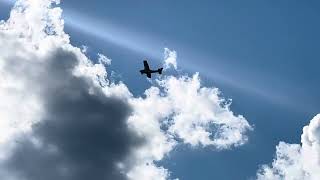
148	71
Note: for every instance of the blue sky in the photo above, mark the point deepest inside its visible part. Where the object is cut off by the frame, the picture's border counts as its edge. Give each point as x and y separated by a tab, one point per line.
262	54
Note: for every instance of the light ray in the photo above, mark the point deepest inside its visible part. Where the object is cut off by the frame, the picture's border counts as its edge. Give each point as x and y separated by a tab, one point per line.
147	45
152	47
117	35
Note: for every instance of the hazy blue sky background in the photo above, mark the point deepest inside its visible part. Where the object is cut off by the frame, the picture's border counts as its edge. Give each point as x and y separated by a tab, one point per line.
262	54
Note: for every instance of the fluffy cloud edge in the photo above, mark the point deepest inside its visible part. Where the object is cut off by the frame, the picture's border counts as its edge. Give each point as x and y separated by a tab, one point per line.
296	161
170	59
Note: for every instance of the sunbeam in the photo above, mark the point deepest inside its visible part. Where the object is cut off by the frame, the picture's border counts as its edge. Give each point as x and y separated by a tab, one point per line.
114	34
152	47
141	43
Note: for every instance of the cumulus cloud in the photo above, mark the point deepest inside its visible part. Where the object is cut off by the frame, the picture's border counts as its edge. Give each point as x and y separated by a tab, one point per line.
179	108
80	133
295	161
61	118
73	115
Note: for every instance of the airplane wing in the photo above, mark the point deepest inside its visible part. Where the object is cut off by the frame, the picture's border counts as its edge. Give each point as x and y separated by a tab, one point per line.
146	65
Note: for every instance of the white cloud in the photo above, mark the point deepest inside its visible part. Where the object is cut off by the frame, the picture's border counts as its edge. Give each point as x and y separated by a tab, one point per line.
104	59
170	59
148	172
195	114
200	116
22	38
173	108
295	161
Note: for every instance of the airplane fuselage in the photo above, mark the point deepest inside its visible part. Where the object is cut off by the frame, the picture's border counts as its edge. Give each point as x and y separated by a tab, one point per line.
148	71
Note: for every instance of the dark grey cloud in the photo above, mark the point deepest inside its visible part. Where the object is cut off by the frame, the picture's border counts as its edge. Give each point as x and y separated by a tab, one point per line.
83	135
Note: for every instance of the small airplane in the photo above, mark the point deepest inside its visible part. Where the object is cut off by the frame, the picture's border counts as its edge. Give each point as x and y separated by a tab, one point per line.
148	71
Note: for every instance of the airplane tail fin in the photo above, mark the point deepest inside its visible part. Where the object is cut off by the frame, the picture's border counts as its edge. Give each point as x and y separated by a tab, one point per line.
160	70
